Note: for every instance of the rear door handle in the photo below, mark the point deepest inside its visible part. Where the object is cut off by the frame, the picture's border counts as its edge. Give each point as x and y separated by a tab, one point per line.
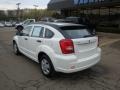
39	41
25	38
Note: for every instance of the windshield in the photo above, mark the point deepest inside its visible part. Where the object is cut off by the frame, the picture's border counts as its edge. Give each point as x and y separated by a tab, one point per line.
74	32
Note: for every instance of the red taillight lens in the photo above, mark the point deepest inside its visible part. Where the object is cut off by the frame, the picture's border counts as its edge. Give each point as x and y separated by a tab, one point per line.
67	46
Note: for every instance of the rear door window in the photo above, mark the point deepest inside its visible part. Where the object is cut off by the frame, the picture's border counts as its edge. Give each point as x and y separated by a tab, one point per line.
38	31
75	32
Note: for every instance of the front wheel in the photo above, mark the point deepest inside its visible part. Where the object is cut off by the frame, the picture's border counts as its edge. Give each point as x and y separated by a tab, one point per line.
15	49
47	66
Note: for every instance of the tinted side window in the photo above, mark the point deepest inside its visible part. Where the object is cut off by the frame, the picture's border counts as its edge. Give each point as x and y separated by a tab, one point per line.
37	32
48	33
27	30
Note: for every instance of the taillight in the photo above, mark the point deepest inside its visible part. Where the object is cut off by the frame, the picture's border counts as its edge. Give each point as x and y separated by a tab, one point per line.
67	46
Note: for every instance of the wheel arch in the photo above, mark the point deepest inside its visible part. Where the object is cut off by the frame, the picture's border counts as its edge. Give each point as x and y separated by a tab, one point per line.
14	41
40	54
44	53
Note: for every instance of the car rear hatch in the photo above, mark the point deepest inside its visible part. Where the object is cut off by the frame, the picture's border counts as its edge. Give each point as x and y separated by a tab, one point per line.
85	43
85	47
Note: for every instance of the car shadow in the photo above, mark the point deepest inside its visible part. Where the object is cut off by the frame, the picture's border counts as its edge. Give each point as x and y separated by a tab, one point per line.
97	71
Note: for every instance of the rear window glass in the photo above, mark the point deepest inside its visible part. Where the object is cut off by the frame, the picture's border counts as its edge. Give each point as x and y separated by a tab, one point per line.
74	32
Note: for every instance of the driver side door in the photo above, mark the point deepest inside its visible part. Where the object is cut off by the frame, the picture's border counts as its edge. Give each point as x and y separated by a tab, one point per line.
23	39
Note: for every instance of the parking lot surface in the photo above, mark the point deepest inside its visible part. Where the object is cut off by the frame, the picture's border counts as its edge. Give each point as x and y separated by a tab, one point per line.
21	73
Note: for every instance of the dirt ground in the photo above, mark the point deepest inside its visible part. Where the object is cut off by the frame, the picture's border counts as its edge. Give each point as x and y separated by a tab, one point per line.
21	73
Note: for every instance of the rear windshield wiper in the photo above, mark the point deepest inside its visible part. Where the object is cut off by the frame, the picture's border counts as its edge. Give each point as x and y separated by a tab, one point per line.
88	36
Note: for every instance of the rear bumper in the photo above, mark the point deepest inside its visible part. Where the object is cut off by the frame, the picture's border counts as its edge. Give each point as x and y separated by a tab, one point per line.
70	64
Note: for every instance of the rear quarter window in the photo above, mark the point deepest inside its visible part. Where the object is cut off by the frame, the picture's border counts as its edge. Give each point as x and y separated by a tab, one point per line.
48	33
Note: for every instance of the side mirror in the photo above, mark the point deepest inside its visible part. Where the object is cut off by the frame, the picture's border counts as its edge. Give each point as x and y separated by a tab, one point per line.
20	28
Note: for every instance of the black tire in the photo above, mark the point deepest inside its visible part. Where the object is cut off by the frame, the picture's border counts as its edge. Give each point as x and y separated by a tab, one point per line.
51	71
15	49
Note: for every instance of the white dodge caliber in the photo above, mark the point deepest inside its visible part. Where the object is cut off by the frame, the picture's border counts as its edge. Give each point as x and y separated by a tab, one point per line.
58	47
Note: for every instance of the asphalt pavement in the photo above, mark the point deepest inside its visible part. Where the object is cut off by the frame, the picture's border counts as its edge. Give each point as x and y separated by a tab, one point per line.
21	73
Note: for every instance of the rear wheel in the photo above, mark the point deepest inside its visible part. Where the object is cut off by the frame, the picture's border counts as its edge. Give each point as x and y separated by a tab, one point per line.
47	66
15	49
